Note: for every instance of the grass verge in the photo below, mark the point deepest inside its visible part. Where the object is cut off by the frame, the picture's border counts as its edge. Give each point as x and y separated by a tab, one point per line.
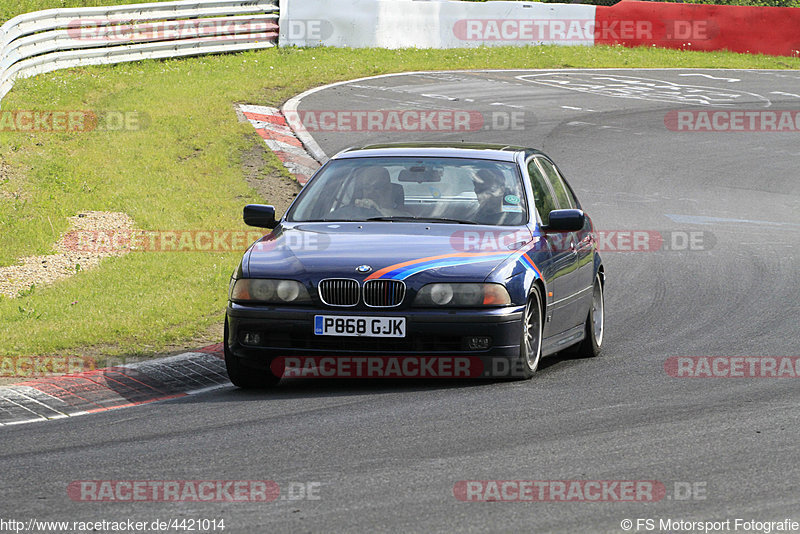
183	168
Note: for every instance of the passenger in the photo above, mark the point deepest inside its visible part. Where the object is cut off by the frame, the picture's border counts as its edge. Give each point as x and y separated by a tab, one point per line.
489	186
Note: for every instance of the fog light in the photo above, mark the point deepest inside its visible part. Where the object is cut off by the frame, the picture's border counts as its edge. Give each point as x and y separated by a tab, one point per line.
251	338
478	342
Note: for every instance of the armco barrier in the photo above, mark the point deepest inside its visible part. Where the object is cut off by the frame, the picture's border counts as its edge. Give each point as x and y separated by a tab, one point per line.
43	41
754	30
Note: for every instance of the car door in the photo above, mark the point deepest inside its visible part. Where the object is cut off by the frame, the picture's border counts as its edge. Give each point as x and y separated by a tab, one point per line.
560	260
579	280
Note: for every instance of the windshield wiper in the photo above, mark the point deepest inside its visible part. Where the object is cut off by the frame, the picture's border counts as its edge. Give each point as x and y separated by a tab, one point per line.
397	218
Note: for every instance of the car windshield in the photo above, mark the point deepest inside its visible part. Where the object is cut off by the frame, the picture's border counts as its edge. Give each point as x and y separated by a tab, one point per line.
401	189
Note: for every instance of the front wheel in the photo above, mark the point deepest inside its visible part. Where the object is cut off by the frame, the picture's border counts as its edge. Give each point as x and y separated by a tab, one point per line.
530	347
592	343
243	376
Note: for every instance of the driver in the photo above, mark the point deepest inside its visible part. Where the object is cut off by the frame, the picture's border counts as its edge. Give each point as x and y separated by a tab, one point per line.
375	187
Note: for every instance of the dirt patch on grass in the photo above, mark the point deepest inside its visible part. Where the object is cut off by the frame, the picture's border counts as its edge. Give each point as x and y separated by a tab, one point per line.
265	173
44	270
262	171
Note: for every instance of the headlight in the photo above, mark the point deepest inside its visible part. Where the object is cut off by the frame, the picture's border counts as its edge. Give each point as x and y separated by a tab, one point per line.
269	291
230	285
463	295
441	294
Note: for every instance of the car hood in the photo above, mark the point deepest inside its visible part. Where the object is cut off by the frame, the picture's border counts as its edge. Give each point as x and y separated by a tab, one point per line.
390	250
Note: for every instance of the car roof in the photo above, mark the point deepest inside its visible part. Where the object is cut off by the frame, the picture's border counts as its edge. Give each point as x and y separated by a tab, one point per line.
443	150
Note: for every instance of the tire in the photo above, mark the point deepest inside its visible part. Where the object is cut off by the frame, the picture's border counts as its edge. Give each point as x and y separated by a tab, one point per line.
592	343
530	345
243	376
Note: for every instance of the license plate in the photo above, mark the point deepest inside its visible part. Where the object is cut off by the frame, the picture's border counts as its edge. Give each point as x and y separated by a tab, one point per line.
348	325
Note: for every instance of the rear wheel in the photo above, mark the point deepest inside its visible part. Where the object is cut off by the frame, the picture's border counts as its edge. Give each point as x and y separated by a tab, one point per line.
592	343
243	376
530	347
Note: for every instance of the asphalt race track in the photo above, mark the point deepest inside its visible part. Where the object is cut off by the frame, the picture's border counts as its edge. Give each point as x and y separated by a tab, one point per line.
386	455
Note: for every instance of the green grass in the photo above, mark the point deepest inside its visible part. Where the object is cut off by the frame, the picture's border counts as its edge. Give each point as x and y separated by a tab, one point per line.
183	171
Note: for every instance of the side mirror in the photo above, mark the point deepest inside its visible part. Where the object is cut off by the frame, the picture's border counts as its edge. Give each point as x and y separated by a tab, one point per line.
566	221
260	216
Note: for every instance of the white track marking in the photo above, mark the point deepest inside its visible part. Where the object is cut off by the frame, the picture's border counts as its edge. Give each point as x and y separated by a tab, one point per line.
507	105
784	94
579	109
620	86
704	219
319	154
729	80
438	97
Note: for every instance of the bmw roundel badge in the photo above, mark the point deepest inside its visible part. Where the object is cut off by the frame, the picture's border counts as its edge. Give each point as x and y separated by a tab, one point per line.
363	268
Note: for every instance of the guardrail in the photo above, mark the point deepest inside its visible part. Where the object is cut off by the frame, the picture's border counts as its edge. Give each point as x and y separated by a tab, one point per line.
44	41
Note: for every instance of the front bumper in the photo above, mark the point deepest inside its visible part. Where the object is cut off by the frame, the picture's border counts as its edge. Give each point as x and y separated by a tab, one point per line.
430	333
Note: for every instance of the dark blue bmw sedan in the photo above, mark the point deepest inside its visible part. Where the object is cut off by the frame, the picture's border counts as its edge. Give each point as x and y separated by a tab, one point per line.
417	260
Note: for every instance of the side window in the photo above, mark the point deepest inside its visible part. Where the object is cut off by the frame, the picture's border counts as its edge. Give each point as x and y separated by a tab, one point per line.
541	192
563	195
